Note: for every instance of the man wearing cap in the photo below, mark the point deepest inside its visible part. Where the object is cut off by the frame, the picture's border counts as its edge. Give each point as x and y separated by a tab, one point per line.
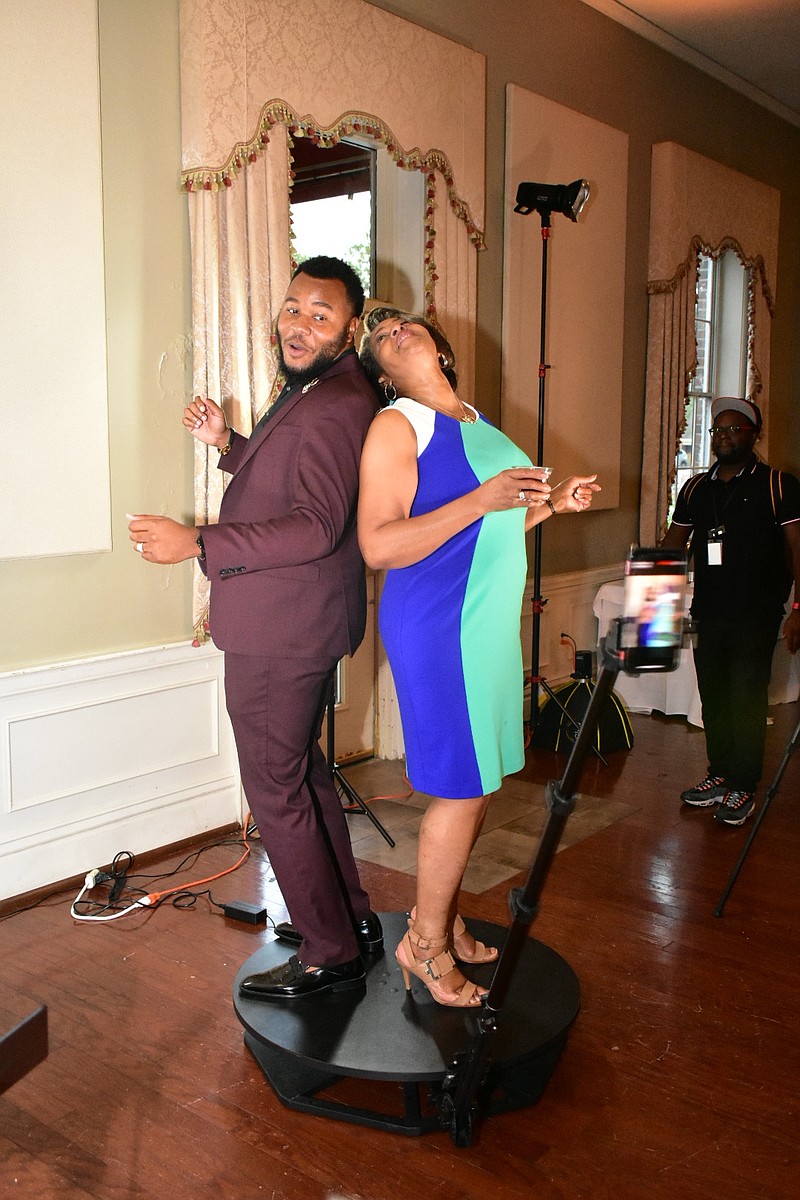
743	521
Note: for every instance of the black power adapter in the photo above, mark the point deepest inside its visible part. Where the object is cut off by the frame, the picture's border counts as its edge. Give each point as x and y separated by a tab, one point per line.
240	910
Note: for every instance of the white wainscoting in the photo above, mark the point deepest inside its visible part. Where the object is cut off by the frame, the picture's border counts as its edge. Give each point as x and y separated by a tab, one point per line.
128	751
568	610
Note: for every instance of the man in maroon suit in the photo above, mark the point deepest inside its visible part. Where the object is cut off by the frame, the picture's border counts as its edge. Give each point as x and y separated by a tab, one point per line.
288	601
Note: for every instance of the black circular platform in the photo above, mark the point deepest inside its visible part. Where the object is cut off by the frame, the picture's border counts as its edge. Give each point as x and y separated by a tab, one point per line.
386	1034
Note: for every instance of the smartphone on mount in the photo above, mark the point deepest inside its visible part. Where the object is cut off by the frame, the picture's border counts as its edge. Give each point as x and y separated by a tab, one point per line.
651	631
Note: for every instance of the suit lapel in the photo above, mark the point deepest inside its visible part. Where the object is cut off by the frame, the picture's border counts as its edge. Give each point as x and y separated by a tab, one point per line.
344	365
259	437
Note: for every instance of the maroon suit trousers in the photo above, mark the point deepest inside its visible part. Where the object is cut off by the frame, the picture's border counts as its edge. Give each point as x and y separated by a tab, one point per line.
276	706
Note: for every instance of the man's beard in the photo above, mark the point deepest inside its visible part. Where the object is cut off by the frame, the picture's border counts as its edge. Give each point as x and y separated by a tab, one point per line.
323	359
733	456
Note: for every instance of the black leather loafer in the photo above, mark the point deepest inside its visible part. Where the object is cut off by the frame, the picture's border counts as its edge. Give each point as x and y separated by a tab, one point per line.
369	934
291	980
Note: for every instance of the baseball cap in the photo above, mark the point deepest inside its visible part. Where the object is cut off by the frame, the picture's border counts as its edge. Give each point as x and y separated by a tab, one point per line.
737	404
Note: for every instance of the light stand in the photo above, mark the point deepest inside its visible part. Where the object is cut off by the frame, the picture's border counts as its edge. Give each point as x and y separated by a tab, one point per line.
544	198
353	802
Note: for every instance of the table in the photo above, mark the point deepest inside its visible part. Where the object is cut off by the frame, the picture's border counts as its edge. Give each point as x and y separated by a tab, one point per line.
675	692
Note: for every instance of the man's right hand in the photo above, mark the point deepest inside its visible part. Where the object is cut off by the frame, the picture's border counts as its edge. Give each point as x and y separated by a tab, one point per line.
205	420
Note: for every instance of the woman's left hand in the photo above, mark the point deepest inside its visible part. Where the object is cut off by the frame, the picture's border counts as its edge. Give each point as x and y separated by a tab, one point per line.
574	494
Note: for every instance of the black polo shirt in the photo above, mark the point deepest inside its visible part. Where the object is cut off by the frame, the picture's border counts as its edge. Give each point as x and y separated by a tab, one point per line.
754	579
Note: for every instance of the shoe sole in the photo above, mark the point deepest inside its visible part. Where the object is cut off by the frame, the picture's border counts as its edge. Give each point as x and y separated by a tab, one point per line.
736	820
706	802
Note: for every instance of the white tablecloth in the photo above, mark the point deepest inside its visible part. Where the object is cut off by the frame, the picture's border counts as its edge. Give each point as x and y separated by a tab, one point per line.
675	692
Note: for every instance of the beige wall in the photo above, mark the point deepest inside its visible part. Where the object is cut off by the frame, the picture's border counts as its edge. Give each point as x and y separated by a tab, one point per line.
55	609
58	609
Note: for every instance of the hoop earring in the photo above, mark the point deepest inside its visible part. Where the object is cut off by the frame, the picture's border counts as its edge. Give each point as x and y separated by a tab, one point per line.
389	387
443	363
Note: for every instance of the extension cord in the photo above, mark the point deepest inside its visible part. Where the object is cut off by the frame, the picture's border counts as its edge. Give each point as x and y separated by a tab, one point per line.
94	877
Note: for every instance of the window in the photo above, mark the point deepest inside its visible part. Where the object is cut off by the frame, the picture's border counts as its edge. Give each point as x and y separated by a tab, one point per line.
721	332
352	200
333	209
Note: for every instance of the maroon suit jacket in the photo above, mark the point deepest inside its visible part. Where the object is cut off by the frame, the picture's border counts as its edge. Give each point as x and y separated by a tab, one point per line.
287	577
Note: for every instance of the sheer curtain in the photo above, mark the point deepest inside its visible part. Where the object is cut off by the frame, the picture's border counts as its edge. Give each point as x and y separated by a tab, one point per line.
697	205
257	74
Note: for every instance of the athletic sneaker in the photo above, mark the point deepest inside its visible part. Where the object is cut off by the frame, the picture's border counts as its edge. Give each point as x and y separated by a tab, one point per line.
708	791
736	808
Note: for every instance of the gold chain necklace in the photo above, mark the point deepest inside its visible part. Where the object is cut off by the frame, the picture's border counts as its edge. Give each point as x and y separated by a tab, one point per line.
466	416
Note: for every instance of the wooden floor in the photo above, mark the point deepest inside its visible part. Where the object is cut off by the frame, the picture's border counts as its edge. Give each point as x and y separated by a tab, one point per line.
679	1078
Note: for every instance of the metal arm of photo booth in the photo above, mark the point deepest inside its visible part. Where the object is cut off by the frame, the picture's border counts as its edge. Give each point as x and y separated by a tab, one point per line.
458	1107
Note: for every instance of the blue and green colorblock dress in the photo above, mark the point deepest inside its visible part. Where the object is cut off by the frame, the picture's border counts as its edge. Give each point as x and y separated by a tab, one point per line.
451	623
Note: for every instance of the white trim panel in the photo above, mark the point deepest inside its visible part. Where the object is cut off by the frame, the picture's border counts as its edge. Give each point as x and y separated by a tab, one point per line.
131	751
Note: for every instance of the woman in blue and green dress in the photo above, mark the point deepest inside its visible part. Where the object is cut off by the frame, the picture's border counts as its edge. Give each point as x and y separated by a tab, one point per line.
445	500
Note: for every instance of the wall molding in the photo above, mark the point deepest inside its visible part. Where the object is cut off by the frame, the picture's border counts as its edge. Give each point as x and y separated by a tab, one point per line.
53	248
129	751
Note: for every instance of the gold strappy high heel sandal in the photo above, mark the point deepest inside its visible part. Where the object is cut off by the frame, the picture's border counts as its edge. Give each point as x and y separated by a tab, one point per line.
433	970
480	954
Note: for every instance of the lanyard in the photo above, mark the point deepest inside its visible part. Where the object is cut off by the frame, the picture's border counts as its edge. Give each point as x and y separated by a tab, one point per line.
731	489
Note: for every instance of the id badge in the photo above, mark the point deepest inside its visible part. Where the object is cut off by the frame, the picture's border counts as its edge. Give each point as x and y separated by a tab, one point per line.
715	546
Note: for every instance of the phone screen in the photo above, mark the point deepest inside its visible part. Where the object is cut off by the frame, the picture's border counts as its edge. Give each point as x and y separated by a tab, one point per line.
653	607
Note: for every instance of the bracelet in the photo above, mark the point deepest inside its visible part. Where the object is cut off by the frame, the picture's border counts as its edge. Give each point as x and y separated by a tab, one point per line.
550	505
201	545
228	444
796	606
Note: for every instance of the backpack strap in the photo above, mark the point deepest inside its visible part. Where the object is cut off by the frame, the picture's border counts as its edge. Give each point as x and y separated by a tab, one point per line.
775	490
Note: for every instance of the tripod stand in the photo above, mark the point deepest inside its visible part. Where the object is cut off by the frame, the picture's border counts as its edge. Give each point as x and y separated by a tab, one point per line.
354	803
770	796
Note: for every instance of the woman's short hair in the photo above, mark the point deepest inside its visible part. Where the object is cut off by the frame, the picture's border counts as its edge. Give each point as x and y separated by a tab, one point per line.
377	315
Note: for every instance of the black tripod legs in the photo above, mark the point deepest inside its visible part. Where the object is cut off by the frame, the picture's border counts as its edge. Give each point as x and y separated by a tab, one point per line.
770	795
355	804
